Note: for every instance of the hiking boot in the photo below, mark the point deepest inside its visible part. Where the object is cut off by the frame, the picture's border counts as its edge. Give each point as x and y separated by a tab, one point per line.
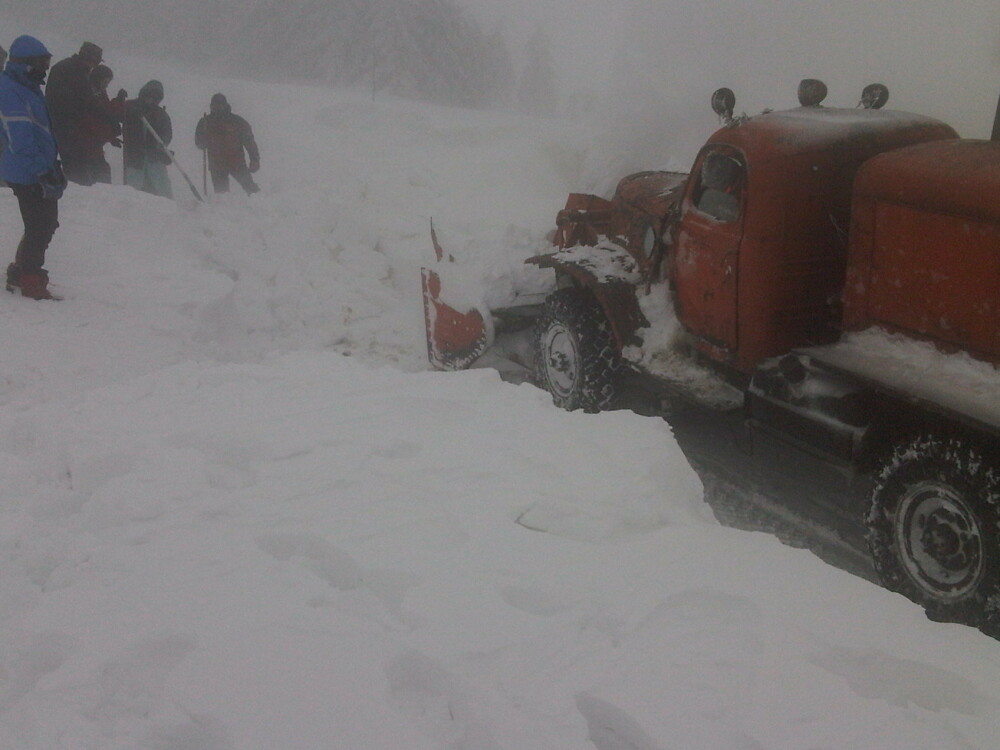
35	285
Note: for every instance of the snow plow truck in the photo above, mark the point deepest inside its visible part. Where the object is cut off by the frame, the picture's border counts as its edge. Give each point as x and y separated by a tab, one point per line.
801	260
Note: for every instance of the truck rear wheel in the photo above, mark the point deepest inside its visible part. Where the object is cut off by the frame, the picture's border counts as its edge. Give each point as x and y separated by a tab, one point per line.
933	528
576	359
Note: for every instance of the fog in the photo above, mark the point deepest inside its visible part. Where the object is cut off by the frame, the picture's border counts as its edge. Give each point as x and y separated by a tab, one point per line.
654	63
238	514
641	71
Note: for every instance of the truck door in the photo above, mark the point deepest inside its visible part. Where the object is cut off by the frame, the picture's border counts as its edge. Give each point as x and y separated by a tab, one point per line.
707	253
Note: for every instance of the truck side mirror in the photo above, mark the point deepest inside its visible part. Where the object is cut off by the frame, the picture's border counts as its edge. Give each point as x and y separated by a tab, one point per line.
811	92
874	96
723	103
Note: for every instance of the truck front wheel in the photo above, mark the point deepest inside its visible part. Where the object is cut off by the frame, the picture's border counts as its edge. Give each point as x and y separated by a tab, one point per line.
576	359
933	528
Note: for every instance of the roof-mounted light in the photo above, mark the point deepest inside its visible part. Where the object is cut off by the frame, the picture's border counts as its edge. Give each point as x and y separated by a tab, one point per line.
874	96
812	92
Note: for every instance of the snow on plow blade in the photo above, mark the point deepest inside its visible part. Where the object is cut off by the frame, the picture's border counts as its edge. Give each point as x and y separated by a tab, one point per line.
457	335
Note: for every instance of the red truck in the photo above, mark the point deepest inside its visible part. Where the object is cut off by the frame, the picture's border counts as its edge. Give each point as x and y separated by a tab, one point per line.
798	239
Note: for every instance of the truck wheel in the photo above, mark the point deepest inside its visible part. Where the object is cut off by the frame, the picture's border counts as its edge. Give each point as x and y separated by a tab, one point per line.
933	528
576	359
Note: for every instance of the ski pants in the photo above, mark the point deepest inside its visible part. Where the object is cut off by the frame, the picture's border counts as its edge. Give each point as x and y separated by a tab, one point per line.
41	219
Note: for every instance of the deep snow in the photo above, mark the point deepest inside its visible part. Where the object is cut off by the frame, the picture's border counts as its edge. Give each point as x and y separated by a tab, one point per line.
239	514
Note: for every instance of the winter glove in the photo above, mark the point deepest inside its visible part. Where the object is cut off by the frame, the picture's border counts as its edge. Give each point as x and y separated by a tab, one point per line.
254	165
53	183
122	95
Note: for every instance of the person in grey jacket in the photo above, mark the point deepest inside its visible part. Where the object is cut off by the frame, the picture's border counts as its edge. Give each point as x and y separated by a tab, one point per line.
145	159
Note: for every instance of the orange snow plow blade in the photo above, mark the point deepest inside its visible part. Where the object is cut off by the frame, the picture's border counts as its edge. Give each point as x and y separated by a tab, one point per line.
455	339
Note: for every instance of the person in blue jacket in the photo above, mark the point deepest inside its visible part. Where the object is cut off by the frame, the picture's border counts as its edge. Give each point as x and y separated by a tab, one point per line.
30	162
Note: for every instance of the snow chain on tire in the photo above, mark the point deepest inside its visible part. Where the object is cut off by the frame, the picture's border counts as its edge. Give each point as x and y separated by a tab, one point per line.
576	359
934	529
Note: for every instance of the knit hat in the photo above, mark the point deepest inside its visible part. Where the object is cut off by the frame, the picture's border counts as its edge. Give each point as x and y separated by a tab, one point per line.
219	105
102	73
91	53
152	90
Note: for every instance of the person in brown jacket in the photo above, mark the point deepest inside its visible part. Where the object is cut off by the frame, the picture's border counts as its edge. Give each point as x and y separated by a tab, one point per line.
70	99
226	137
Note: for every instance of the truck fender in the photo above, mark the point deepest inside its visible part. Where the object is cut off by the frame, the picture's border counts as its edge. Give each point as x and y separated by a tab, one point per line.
614	289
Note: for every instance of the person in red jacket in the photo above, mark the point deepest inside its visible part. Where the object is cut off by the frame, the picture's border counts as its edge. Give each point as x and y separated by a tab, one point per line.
100	125
226	137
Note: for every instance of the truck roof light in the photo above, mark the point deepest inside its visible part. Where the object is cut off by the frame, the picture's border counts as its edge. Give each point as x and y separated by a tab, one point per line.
812	92
874	96
723	103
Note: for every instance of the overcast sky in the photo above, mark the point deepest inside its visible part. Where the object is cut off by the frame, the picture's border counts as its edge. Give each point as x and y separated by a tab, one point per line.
655	62
941	58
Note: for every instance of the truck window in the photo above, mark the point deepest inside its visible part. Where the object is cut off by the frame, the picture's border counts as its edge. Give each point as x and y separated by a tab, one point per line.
721	186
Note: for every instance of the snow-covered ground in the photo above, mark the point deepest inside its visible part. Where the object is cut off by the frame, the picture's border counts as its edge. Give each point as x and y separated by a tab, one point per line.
238	513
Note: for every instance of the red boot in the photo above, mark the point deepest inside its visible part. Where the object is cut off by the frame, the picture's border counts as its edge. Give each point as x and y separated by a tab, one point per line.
33	284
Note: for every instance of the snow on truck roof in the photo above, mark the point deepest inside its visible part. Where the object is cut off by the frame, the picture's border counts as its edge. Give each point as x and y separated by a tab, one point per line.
805	129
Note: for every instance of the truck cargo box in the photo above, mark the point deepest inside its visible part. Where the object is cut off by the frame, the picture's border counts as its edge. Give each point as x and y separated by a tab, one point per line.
924	258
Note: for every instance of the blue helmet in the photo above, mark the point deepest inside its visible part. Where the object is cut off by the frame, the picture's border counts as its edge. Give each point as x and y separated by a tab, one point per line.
26	47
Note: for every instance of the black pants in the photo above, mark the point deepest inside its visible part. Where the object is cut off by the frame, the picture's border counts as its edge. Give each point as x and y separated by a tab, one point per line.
74	160
220	180
91	170
41	218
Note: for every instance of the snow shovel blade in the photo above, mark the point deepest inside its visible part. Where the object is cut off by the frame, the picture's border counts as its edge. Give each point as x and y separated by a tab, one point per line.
170	155
455	339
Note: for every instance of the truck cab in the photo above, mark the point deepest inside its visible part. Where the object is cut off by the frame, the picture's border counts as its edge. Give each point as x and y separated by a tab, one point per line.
766	274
